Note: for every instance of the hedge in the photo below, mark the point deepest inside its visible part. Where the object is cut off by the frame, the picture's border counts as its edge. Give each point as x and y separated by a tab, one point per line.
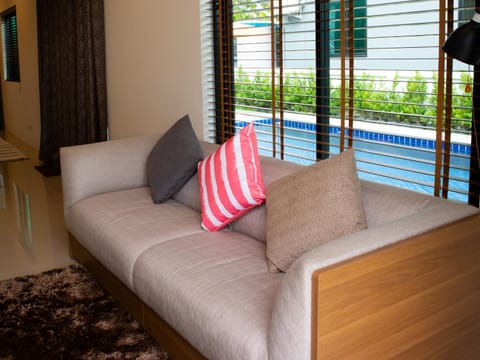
410	101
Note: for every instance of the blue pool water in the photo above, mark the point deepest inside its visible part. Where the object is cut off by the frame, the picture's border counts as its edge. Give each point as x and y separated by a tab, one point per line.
396	160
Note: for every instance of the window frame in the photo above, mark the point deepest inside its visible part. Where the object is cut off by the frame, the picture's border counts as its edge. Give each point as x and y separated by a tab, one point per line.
466	9
360	19
9	28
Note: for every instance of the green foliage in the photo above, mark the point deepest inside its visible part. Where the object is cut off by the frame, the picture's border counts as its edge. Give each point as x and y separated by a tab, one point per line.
407	101
299	92
256	93
462	103
248	9
414	100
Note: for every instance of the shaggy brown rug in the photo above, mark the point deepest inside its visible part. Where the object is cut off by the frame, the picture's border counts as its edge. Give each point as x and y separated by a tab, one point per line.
65	314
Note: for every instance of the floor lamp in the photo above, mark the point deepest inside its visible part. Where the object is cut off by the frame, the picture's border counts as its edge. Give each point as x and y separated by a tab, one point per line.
464	44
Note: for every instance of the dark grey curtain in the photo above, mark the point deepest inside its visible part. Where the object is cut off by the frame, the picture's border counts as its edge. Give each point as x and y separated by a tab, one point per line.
73	99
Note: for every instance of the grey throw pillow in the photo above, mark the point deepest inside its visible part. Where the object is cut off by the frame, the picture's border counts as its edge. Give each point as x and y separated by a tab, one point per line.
173	160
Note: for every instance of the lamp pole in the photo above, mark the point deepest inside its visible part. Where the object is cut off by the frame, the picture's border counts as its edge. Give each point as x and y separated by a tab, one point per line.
464	44
474	186
474	183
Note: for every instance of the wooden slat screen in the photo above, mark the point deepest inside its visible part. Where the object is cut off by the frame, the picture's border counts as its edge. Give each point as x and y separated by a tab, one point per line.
367	74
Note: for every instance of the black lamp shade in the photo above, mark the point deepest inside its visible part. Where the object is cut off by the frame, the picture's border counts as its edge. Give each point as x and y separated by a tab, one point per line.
464	43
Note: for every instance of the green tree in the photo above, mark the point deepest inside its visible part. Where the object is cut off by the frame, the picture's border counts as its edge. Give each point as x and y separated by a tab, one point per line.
299	92
414	100
369	98
248	9
462	103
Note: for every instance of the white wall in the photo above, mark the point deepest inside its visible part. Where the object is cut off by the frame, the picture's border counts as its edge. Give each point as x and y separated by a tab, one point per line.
153	65
153	68
21	100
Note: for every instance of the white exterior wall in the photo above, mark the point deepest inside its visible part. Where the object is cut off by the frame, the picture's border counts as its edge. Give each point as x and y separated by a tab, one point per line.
400	37
253	47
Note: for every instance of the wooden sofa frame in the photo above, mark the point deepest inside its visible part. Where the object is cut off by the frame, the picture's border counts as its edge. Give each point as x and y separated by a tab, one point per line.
415	299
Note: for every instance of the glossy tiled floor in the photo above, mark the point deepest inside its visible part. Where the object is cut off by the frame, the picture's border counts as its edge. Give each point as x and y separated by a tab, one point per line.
33	237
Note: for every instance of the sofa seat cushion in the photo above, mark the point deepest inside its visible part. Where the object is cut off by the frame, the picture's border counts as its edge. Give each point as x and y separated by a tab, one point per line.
117	227
214	289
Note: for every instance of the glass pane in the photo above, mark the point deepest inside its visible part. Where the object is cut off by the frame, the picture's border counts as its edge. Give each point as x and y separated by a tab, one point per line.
384	104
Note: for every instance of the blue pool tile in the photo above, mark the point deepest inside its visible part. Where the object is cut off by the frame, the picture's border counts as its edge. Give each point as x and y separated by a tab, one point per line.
363	134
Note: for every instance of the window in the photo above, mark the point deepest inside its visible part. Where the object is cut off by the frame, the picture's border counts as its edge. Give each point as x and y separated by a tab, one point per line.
359	26
406	109
11	68
466	9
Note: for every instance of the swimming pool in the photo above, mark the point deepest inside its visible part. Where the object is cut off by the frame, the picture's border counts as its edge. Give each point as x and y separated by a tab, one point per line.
401	161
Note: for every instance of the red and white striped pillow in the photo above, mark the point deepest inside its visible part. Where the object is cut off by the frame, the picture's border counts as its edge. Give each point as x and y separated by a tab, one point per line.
230	180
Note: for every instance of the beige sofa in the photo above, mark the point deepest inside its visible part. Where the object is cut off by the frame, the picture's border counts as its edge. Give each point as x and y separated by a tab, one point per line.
406	287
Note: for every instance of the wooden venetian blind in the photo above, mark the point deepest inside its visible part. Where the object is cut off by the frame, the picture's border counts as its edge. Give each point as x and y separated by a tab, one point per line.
317	77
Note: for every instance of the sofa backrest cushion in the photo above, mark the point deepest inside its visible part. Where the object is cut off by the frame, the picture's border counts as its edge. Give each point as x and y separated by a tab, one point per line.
122	162
254	223
190	193
384	203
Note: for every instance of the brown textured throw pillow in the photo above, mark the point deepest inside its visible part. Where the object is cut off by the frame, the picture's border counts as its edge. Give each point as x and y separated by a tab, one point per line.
312	206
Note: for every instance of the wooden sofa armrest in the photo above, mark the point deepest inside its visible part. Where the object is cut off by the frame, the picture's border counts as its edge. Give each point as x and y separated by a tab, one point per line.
419	298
